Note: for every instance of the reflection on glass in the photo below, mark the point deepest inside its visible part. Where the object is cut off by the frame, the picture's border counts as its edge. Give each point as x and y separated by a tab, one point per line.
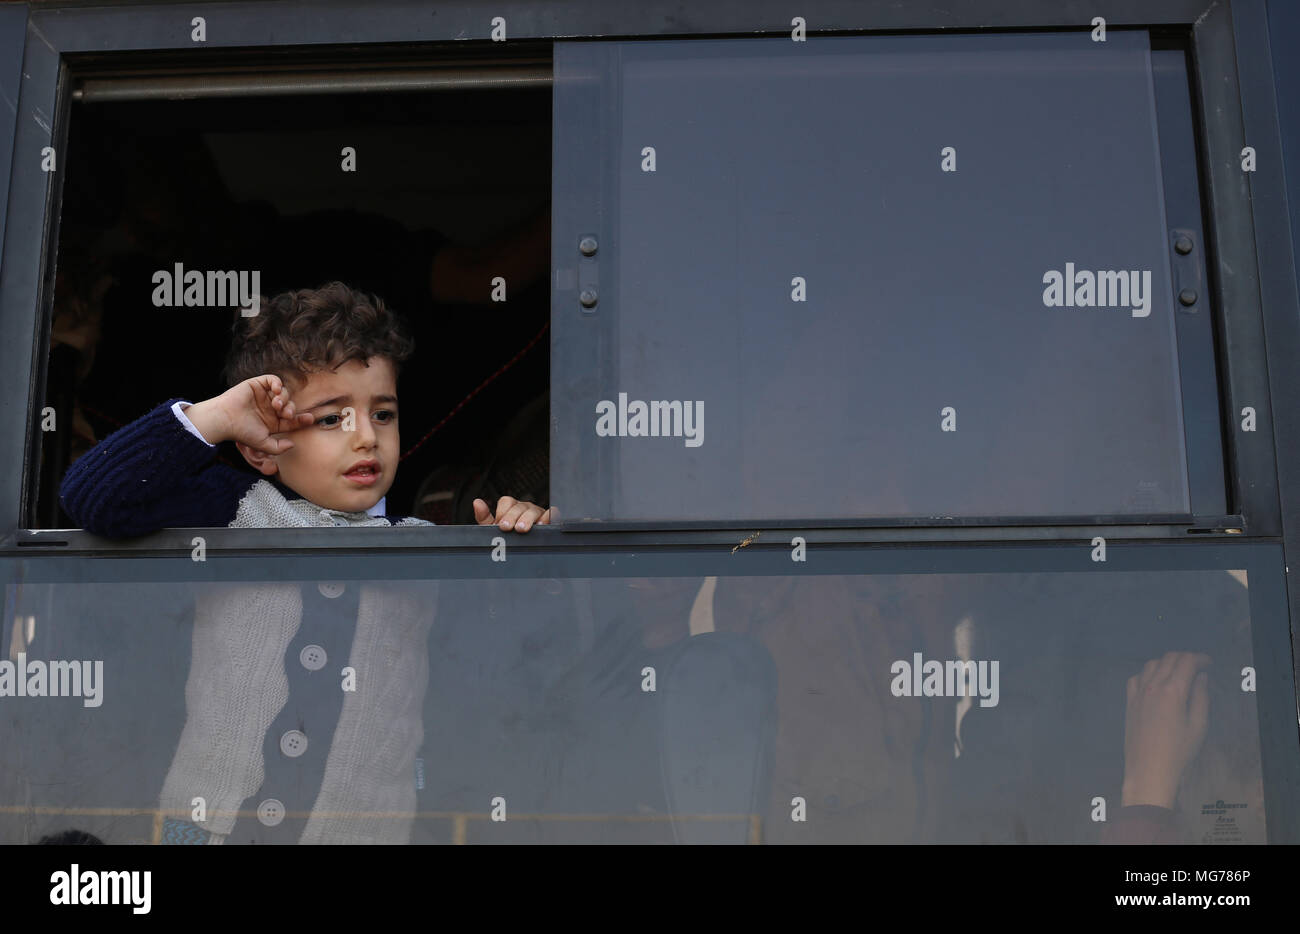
1012	707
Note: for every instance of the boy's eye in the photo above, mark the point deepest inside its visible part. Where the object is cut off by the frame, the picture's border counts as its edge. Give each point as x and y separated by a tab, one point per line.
384	416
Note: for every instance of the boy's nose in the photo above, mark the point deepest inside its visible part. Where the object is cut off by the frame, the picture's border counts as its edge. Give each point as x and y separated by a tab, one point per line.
364	434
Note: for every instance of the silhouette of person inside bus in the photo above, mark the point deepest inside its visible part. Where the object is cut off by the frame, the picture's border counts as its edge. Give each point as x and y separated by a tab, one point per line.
773	705
676	714
613	698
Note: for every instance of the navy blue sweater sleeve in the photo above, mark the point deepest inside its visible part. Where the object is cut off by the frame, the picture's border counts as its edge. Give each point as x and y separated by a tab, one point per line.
152	474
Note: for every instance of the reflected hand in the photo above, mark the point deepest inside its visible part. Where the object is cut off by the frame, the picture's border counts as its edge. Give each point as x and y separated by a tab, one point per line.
1164	726
511	513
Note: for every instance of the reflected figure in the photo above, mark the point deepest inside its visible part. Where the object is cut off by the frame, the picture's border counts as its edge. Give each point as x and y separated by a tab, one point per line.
710	696
717	715
781	687
852	763
688	709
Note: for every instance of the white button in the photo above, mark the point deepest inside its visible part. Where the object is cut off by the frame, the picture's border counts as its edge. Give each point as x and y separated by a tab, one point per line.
330	589
293	743
312	657
270	812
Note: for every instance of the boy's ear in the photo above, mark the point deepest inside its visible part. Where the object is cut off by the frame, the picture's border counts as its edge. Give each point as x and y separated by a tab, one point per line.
262	462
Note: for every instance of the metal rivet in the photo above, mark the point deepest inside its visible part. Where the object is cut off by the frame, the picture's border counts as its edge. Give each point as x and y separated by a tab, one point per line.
1183	245
1187	297
588	298
588	246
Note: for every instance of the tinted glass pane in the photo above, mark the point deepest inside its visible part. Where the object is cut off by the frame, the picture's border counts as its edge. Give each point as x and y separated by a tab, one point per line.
976	696
807	306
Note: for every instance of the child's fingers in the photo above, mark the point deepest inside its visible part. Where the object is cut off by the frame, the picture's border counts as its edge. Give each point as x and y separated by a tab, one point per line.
282	400
530	517
268	384
272	446
505	503
522	515
289	422
269	388
509	510
511	514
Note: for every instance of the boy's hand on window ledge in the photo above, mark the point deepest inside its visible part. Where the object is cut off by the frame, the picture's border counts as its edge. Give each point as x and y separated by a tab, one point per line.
511	514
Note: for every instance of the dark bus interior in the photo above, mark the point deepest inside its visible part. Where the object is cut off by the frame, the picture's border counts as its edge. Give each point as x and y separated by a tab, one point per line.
258	183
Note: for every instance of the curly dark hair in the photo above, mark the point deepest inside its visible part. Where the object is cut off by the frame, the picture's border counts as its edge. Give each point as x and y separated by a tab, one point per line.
298	333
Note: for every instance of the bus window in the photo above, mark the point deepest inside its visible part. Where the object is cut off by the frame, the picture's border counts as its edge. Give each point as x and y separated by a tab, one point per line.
420	199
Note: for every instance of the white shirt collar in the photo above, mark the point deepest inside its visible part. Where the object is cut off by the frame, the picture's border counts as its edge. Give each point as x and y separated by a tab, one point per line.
379	509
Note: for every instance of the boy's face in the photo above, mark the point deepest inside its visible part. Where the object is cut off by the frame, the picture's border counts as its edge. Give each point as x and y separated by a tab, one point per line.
335	468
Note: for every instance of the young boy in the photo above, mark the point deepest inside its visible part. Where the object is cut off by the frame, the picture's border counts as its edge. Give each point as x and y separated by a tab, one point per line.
303	700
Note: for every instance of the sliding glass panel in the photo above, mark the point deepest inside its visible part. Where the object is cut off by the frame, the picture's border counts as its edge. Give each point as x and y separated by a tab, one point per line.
865	277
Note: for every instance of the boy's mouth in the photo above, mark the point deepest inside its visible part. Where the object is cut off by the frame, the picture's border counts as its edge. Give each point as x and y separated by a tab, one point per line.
364	472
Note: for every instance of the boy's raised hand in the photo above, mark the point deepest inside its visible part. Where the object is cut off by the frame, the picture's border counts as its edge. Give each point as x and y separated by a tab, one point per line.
250	413
511	513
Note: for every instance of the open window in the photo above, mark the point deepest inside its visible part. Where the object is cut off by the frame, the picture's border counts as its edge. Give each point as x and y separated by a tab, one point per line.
400	191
